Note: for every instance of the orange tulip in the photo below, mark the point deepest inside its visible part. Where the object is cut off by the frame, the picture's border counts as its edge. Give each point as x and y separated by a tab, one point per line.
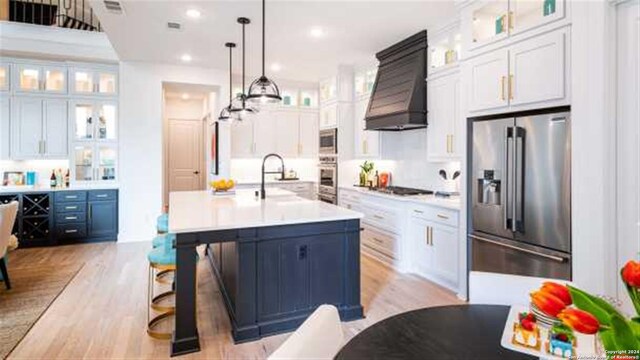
547	303
558	290
631	273
579	320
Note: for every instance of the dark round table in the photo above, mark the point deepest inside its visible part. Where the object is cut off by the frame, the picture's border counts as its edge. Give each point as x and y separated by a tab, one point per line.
447	332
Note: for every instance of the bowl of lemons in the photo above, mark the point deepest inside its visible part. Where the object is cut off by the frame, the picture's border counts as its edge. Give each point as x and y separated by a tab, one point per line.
222	185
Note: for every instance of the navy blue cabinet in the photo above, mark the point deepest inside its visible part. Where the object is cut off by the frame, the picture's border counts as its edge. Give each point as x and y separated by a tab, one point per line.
62	217
103	215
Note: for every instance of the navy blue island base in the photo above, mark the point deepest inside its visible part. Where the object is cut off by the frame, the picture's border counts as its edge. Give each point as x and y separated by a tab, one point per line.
271	278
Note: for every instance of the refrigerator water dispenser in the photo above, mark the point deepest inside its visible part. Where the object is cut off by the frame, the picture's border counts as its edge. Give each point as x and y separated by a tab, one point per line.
489	187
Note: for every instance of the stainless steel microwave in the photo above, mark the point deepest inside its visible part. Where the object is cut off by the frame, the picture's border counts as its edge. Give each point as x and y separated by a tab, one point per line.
328	141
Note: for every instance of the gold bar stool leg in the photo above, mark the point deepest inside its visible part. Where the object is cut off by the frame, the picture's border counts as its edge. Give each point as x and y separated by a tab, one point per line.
165	311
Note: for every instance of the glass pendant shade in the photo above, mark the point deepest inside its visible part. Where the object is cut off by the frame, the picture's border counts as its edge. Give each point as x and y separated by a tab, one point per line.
264	91
227	112
240	108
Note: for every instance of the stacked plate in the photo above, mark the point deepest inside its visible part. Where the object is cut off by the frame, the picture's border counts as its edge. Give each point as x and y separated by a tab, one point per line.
541	318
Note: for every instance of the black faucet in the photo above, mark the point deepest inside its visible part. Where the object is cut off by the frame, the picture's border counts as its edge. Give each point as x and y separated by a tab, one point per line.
262	192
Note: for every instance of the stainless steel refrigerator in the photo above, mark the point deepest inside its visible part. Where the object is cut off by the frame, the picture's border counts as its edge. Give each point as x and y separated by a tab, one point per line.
520	198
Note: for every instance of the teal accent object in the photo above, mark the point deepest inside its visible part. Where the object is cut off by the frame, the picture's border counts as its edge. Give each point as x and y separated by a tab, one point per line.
162	224
162	239
160	256
499	24
307	101
287	100
549	7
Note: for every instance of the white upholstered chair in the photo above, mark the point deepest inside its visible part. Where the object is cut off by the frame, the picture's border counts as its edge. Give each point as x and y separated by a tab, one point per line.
319	337
500	289
8	214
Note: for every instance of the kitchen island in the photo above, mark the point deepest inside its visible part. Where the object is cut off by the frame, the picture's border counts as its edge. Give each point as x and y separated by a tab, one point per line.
275	260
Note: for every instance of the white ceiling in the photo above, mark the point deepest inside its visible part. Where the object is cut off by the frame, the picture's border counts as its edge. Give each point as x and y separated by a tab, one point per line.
355	31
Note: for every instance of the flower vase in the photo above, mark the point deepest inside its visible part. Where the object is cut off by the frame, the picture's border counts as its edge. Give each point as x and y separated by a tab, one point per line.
363	178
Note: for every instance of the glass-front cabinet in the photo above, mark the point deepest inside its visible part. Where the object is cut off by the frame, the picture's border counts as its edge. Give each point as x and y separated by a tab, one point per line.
363	81
94	140
42	79
491	21
445	50
94	82
5	73
328	90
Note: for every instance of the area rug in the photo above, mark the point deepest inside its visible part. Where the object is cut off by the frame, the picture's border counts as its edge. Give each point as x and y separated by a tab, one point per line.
33	290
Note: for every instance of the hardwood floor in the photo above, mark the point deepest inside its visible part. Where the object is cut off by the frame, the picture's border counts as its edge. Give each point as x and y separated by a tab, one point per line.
102	312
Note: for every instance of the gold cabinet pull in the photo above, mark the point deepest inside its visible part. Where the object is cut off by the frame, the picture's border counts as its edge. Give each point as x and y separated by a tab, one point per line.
511	81
510	20
502	80
431	236
426	235
443	216
378	217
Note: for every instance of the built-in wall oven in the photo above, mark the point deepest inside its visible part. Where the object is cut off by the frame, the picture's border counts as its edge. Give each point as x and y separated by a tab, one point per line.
328	179
329	142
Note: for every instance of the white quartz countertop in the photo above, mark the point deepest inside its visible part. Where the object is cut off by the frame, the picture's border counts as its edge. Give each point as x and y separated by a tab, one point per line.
271	182
36	188
453	203
195	211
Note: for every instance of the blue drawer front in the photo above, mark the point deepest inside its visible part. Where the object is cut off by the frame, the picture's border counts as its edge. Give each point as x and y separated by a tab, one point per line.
71	207
71	217
98	195
71	230
71	196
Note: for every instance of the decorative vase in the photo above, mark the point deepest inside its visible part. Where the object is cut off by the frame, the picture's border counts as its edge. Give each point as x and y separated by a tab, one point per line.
363	178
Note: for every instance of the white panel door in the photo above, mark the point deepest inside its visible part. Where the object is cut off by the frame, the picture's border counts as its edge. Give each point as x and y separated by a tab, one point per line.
5	129
287	133
445	253
422	253
443	100
55	129
264	133
26	128
185	155
242	145
308	135
488	81
367	143
538	69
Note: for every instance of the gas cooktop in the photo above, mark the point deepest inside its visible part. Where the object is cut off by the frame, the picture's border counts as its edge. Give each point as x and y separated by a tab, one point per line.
402	191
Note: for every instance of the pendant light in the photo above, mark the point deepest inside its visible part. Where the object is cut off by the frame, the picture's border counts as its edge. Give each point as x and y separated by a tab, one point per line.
225	114
263	89
240	108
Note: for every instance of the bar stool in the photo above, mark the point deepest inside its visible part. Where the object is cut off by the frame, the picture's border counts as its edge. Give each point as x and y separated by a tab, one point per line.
162	258
164	240
162	222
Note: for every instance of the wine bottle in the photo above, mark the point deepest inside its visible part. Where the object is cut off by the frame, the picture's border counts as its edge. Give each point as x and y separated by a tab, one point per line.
66	179
52	181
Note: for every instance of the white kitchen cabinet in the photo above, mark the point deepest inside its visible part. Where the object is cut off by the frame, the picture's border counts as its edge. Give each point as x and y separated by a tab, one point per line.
94	81
5	129
308	135
287	133
36	78
489	21
55	144
442	135
488	76
38	128
537	69
94	120
329	116
94	162
367	142
527	73
242	145
435	251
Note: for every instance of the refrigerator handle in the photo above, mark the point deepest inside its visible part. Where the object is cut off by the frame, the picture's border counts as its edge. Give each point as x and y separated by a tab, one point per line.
518	169
507	208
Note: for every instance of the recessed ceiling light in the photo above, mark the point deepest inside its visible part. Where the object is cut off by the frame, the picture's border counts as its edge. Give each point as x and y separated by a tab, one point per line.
275	67
317	32
185	96
185	58
194	13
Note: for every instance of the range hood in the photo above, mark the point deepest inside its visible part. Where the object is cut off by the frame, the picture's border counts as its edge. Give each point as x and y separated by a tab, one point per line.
399	96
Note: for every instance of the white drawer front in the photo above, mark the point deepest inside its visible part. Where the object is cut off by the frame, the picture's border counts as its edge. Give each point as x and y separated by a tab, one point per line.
349	196
440	215
384	219
384	243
